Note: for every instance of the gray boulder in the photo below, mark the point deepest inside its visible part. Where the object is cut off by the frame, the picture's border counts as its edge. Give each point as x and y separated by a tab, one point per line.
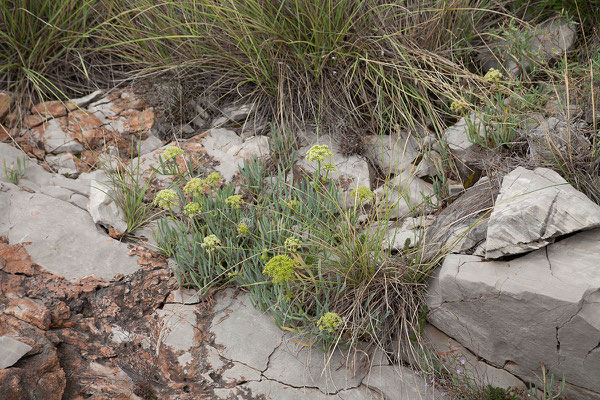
543	307
532	209
60	236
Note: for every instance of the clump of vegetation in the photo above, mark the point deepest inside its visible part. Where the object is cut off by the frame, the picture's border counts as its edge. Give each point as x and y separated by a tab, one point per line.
15	173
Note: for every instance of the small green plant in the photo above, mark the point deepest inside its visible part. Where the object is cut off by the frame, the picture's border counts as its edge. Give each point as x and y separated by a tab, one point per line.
127	187
13	174
495	393
546	390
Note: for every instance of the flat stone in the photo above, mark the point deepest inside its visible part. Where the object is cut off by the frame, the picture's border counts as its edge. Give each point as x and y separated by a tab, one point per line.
101	204
11	351
64	238
150	144
295	365
223	145
457	136
239	373
56	192
391	153
63	163
179	330
403	195
532	209
455	356
236	324
543	307
29	311
398	382
56	140
271	390
255	146
351	171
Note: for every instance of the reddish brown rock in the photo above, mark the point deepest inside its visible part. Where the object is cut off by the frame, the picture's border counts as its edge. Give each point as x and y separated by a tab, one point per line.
85	127
140	122
5	101
29	311
31	121
3	133
37	375
15	260
54	108
12	119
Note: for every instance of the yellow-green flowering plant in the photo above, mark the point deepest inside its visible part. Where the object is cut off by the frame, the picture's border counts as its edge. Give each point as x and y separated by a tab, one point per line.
362	194
195	186
166	199
213	179
243	229
329	322
211	243
318	153
292	244
280	268
171	153
191	209
234	201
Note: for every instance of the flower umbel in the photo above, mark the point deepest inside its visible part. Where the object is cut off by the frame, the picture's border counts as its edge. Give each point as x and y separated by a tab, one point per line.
210	243
171	152
318	153
195	185
280	268
362	194
493	75
292	244
166	199
234	201
329	167
191	209
243	229
459	106
213	178
329	322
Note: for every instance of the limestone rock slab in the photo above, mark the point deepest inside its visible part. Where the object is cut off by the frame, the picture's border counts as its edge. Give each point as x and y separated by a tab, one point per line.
391	153
63	238
532	209
243	333
11	351
541	307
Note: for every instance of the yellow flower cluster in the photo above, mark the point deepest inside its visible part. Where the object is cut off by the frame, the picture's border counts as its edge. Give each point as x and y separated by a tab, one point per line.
166	199
329	322
493	75
195	185
192	209
171	152
318	153
362	194
292	244
280	268
235	201
210	243
243	229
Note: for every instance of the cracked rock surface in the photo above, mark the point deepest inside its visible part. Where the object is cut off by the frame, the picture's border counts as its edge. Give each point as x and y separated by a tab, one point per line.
532	209
541	307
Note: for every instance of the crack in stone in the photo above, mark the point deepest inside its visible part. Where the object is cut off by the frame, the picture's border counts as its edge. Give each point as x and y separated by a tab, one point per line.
594	349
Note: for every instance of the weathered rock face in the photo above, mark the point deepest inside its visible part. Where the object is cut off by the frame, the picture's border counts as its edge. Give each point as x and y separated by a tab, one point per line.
101	205
63	237
549	40
391	153
542	307
532	209
404	195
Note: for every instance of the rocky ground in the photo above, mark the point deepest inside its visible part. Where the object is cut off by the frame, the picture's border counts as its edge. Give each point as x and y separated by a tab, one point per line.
84	314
